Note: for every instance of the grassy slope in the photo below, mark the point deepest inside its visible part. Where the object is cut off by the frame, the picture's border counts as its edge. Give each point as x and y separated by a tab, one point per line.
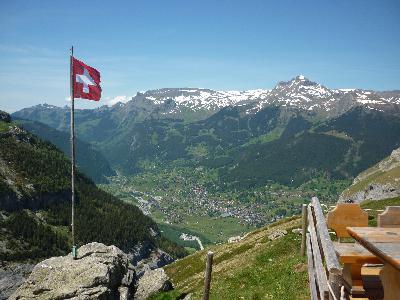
376	175
390	176
378	205
254	268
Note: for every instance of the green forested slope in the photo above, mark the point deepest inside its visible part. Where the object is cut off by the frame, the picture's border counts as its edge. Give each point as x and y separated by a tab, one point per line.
281	144
35	204
91	161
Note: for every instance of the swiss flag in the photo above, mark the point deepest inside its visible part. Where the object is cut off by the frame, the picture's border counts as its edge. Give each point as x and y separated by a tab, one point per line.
86	81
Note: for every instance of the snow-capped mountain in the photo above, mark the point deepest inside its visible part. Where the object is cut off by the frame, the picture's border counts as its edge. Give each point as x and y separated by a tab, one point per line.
199	99
194	104
299	93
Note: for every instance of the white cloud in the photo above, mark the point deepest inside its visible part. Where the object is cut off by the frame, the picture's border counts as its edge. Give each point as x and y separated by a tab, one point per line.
115	100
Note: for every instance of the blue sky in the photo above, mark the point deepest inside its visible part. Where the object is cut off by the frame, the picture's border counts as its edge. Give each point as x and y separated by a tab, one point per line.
225	45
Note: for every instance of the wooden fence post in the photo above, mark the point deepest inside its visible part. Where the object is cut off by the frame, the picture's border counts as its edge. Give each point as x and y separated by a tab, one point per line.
304	229
207	275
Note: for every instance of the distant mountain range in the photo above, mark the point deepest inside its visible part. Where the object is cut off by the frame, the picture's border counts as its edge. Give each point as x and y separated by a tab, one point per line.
284	135
197	103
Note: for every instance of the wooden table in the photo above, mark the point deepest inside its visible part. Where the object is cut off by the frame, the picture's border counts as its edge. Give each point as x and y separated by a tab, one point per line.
385	244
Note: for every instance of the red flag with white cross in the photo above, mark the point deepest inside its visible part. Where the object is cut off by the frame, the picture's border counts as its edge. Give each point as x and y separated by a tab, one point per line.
86	81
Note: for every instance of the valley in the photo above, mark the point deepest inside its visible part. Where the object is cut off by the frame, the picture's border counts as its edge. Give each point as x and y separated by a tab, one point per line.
187	150
215	164
192	200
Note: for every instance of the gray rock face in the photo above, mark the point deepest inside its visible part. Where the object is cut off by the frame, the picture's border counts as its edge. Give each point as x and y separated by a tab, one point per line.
145	258
152	282
5	117
375	192
380	181
100	272
12	275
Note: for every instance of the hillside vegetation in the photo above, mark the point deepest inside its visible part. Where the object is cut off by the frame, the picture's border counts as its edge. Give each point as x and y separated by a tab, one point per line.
88	159
35	204
378	182
253	268
252	159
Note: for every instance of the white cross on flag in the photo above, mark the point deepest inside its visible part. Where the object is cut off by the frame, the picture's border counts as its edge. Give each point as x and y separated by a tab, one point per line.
86	81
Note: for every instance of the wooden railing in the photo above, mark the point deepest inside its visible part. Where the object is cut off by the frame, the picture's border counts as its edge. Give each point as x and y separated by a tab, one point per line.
324	269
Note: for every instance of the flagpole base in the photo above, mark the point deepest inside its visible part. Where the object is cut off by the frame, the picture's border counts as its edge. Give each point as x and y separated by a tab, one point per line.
74	252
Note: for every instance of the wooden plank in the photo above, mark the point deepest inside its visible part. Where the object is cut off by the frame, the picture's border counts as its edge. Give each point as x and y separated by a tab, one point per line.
390	217
349	253
382	242
376	234
311	268
372	281
331	259
207	275
391	282
303	229
346	215
335	282
320	272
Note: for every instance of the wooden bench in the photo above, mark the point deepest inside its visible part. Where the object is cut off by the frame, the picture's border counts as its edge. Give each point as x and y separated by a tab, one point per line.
324	269
370	274
359	276
390	217
352	255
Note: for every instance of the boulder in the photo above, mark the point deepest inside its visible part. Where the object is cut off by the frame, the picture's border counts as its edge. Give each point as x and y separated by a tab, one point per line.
277	234
297	231
99	272
152	282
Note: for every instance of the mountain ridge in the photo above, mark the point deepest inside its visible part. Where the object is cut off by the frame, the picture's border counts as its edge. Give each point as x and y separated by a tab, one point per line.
251	163
200	103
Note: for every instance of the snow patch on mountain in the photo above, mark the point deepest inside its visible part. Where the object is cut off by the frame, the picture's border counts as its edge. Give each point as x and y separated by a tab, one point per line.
300	93
203	99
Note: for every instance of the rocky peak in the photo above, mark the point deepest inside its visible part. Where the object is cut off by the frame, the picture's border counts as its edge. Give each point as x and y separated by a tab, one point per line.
301	84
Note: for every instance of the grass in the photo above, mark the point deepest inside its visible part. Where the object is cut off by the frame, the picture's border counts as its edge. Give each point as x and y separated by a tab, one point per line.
172	295
210	230
173	233
215	229
375	205
254	268
266	138
4	127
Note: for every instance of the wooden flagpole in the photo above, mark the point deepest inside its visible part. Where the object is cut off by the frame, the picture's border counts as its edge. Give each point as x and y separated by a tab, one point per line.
74	250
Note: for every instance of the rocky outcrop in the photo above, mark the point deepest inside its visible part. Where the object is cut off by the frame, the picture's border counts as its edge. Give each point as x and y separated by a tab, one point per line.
381	181
100	272
145	258
5	117
277	234
12	275
152	282
374	191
